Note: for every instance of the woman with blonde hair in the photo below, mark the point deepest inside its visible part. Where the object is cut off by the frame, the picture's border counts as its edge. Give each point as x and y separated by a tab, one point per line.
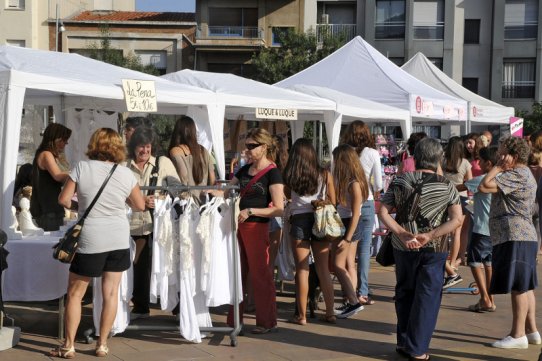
48	178
359	136
352	190
262	196
104	249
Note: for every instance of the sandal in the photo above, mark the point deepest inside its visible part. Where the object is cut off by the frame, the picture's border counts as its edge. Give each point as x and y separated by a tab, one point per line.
298	320
63	352
425	356
477	307
329	319
262	330
102	350
366	300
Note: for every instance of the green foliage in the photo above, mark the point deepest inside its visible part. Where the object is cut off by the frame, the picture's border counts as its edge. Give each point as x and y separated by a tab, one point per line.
105	52
531	121
297	52
163	126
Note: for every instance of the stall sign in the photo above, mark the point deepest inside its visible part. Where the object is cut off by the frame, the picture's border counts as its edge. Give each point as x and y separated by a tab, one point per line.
516	127
275	113
140	95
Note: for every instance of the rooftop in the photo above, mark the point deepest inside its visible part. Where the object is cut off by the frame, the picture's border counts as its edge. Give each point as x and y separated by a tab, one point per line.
142	16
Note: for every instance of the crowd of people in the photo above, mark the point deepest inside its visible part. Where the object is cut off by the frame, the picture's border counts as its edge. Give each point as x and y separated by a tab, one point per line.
469	203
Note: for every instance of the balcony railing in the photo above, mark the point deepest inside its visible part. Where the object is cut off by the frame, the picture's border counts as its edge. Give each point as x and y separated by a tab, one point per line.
518	89
231	32
348	31
524	31
429	32
390	30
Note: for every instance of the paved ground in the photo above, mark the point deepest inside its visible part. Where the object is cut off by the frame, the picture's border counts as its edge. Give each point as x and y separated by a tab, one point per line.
460	334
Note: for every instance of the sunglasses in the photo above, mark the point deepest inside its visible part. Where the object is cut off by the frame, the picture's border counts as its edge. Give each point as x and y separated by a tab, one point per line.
251	146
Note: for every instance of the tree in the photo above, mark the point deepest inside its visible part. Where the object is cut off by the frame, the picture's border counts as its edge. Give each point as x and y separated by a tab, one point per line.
531	121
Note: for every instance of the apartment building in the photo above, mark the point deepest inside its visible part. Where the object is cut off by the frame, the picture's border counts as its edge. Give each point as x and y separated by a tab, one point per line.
493	48
229	32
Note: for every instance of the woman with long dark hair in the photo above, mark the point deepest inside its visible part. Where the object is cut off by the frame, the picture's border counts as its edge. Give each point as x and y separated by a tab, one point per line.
192	161
473	144
305	180
48	178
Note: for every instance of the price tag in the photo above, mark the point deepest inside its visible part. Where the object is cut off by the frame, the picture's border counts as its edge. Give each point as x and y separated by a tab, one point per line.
140	95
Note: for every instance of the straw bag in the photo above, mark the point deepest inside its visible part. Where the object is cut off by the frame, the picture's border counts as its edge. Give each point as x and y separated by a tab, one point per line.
327	222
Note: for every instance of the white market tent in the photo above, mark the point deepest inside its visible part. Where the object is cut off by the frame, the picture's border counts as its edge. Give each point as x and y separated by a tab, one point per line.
241	95
360	70
481	110
69	81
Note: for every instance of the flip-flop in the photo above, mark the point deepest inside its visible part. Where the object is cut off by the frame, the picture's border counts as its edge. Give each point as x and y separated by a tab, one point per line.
366	300
477	307
262	330
63	352
423	357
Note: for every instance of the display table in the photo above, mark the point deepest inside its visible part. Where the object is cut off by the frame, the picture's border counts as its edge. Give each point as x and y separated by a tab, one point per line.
34	275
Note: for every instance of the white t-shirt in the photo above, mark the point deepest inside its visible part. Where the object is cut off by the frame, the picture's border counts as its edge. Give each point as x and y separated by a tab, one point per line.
106	227
370	162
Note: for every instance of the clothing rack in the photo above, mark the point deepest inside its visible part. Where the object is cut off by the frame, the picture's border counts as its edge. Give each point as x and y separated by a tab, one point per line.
236	329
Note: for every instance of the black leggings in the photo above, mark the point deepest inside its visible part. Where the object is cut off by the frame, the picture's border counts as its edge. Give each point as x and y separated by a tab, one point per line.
142	276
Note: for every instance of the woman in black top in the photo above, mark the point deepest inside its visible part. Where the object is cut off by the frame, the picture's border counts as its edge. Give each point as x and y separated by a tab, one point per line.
48	178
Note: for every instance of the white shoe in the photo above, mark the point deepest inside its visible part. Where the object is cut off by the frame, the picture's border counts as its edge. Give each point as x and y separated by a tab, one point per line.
534	338
510	342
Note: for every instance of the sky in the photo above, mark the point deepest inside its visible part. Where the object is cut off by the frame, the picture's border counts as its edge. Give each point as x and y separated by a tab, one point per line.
166	5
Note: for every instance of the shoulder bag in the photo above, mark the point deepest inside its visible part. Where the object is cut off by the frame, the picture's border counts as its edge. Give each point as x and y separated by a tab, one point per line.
385	257
246	189
327	222
65	249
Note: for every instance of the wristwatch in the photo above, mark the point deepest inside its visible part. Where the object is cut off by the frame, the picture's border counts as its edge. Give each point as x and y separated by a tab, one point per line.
249	211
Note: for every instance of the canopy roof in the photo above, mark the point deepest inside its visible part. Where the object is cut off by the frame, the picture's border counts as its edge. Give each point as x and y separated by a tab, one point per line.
481	110
359	69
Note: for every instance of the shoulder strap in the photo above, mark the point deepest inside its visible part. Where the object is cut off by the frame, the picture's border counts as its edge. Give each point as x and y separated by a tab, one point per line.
256	178
99	192
402	214
153	179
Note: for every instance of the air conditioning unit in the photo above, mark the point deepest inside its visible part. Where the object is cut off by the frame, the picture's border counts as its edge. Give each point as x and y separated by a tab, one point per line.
324	19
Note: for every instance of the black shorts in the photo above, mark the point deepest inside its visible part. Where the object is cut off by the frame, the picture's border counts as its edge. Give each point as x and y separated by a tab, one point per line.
94	264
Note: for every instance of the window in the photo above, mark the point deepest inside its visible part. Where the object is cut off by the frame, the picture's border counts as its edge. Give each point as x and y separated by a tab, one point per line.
520	19
471	84
278	33
336	13
518	78
390	19
158	59
15	4
235	22
428	19
436	62
19	43
472	31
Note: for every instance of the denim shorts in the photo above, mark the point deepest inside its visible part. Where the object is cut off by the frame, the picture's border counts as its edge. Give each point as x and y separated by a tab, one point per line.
358	232
301	226
479	250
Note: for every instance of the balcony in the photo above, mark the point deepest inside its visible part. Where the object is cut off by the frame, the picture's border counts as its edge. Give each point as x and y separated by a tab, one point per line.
429	32
524	31
236	36
518	89
347	31
390	30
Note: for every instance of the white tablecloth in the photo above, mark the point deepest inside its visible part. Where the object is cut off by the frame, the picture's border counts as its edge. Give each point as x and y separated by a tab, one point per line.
33	274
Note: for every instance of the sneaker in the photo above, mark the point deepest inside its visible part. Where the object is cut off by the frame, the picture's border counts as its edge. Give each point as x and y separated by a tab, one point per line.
350	310
341	308
534	338
137	316
452	280
510	342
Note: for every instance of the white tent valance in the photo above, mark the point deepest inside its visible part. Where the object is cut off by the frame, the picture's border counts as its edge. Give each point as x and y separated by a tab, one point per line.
480	109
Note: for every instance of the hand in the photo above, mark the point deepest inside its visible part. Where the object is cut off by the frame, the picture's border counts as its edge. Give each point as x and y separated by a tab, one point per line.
243	216
149	202
409	240
424	238
342	243
506	162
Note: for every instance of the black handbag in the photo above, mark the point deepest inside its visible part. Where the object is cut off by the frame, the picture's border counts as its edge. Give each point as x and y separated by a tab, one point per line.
65	249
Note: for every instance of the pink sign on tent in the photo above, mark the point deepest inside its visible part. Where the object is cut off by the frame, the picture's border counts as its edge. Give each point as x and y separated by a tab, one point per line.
516	127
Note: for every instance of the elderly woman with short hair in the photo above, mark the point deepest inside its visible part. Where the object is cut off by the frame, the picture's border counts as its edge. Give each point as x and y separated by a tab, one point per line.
514	238
428	209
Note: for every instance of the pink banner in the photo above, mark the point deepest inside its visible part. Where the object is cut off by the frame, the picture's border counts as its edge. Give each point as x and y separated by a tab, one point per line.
516	127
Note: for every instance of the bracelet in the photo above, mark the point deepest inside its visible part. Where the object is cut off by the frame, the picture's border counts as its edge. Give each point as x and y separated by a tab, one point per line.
347	240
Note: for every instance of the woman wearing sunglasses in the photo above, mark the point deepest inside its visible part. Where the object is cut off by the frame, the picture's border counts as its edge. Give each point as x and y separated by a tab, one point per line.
261	190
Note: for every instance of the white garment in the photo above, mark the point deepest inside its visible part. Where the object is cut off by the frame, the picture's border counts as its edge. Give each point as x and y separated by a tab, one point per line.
122	319
220	289
370	162
203	231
